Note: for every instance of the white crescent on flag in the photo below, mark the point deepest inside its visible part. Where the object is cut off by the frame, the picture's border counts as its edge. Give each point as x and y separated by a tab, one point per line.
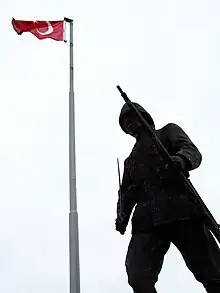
49	30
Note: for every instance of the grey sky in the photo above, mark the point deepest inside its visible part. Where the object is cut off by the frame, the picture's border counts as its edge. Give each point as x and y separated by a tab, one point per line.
166	56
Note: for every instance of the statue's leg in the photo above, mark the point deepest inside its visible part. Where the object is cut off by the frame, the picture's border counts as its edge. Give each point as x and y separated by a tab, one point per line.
200	252
144	260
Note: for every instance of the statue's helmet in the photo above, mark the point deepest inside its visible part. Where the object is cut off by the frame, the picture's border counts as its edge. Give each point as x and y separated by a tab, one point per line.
126	110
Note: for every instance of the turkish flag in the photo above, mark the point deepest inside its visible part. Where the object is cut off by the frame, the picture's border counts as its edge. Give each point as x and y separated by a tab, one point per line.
40	29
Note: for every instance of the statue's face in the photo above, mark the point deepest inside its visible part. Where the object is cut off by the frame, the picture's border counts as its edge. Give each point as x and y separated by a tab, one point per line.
132	124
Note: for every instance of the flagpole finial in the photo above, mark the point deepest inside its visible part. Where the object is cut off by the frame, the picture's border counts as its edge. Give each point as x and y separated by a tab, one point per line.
68	19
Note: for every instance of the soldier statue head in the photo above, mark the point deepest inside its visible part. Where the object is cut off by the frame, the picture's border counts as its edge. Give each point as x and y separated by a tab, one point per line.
129	122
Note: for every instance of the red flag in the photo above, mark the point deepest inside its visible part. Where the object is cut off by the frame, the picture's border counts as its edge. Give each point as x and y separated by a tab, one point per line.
40	29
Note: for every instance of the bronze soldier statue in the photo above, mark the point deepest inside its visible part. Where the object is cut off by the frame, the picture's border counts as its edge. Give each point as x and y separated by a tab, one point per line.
164	212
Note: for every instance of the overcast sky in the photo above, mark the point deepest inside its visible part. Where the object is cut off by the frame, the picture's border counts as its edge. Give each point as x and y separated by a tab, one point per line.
166	56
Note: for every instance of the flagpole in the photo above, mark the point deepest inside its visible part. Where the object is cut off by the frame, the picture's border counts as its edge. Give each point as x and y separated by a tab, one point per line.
73	214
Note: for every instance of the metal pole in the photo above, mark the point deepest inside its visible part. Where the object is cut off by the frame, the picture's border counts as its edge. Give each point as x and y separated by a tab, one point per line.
73	215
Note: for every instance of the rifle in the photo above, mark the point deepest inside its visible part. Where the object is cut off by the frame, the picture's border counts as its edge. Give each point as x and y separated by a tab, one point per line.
210	221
